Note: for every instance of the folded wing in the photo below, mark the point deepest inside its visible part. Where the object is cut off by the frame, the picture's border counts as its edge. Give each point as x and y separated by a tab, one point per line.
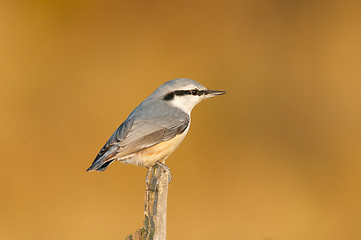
133	136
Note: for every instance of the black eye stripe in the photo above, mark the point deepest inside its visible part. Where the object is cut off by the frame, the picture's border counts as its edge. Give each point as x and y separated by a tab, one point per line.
171	95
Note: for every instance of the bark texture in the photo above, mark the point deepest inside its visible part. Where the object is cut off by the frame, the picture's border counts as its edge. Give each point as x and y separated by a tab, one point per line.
155	219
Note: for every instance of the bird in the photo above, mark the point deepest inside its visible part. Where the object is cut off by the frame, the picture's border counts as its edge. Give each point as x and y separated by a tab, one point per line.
156	127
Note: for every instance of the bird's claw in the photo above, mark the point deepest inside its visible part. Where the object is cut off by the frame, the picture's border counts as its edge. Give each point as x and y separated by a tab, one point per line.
148	176
166	167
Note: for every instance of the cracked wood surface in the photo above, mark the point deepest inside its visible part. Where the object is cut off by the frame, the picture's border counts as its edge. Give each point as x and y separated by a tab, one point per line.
155	219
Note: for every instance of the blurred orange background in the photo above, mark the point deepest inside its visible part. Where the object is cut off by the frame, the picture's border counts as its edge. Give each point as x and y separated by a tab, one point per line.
277	157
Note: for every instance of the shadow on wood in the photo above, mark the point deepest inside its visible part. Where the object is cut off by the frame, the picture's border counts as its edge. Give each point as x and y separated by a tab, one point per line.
155	219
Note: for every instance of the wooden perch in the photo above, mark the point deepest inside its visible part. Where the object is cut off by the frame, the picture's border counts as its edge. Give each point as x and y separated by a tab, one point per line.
155	202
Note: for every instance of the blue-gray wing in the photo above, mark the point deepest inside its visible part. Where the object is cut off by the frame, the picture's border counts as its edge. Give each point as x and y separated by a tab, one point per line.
147	133
135	135
109	150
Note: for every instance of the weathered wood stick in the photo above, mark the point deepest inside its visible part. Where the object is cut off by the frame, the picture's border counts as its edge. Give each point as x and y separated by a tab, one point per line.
155	202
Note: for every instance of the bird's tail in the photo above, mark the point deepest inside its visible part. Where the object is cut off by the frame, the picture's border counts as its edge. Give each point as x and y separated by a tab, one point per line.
103	159
99	166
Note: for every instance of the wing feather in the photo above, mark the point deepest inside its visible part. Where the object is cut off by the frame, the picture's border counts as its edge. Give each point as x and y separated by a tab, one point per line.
133	136
149	133
109	150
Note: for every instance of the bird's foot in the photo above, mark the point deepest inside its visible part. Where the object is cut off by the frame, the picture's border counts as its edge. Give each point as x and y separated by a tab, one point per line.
148	177
166	167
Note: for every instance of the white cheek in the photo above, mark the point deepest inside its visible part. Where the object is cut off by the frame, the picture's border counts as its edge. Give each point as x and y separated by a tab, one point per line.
186	103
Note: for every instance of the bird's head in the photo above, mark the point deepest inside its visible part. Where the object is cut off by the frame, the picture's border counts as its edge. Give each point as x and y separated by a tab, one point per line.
184	93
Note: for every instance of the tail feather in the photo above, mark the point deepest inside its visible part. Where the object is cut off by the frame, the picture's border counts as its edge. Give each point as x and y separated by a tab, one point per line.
100	167
101	162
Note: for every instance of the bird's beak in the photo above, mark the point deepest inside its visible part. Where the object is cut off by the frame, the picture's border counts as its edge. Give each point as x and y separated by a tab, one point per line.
212	93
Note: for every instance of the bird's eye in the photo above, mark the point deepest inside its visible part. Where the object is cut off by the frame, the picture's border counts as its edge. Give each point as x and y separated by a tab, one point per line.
194	92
